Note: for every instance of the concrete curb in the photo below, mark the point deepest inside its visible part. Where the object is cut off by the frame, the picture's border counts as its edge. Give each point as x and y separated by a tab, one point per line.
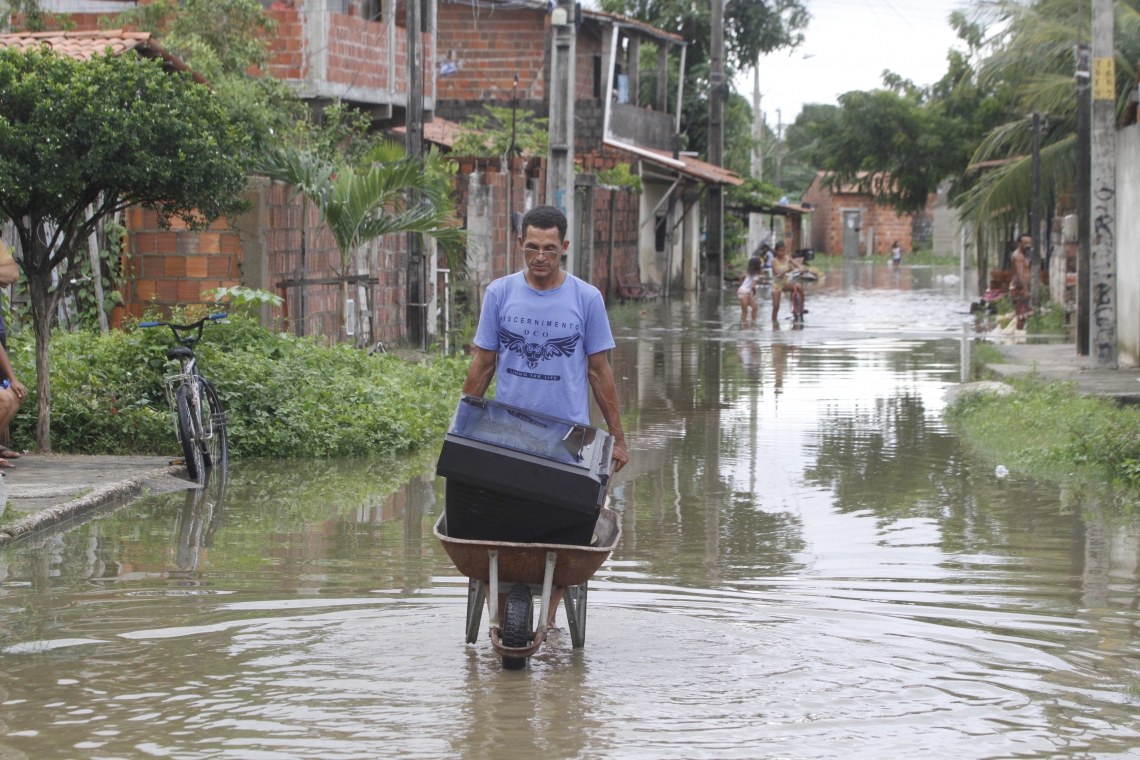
122	491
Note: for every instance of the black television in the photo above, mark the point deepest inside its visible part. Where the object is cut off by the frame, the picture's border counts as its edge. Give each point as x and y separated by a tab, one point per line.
522	476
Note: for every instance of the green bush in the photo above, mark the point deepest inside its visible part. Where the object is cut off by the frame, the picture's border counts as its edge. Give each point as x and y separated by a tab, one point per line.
286	396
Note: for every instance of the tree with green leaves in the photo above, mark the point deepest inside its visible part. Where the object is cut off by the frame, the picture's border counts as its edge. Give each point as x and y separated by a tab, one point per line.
223	40
501	132
362	202
1031	59
80	141
900	142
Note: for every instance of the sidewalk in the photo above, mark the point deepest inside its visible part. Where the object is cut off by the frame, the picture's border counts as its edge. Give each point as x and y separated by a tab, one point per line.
1059	361
44	489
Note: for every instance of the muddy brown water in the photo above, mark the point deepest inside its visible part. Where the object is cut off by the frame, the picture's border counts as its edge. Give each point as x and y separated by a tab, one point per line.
812	567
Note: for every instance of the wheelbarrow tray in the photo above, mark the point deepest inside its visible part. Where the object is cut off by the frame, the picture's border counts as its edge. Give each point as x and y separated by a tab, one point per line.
526	563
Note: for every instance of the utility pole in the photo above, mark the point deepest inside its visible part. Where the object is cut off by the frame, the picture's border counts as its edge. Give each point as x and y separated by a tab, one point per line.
414	120
560	159
757	124
756	221
779	153
1103	187
1035	216
512	152
715	233
1084	202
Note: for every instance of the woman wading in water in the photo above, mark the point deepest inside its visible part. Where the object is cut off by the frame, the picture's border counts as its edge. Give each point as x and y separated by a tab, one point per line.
783	267
747	291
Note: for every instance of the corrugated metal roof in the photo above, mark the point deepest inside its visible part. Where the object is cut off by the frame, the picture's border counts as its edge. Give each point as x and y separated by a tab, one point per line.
82	46
695	168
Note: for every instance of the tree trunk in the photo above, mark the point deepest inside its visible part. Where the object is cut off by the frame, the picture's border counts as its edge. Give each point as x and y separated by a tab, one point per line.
43	303
344	309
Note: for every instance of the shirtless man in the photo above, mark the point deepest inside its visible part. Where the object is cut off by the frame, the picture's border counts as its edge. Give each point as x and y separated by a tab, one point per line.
1019	286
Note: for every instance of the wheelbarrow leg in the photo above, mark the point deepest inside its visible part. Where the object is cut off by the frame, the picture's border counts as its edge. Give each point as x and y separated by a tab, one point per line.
575	601
493	597
547	589
476	594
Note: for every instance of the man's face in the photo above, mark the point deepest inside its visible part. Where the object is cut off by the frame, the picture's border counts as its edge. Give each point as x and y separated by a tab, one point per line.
542	252
1026	243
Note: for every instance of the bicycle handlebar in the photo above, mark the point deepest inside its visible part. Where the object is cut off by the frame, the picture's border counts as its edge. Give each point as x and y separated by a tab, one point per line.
202	321
195	326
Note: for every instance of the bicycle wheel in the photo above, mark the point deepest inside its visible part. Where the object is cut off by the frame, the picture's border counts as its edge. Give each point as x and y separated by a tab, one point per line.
188	434
215	444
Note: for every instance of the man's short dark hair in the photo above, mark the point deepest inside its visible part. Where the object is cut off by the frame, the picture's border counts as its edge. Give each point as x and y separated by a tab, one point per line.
544	218
1024	235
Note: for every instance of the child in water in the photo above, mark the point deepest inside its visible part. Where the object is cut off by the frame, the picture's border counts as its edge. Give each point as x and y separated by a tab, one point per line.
747	290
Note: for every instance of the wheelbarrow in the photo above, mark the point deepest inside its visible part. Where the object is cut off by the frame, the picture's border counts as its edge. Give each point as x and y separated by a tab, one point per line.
515	572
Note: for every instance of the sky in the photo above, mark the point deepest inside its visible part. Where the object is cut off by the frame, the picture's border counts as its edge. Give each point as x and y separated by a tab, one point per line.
850	42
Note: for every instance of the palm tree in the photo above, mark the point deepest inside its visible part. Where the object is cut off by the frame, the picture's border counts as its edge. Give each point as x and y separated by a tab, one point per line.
1031	57
388	193
307	173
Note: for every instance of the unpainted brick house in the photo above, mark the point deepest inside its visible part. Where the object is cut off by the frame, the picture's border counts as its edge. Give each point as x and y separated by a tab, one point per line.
847	221
621	116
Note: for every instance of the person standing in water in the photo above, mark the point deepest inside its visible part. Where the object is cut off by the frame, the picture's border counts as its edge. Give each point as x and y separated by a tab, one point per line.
1021	284
747	291
783	269
896	253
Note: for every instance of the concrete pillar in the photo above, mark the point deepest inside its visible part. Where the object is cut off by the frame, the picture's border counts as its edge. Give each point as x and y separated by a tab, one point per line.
634	70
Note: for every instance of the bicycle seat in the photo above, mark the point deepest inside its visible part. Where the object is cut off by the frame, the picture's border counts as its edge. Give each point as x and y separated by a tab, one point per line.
180	352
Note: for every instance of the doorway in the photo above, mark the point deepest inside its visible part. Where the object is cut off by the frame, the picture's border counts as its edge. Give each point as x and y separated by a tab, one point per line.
851	226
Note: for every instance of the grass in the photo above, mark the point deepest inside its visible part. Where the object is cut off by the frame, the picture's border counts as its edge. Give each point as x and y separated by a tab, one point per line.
1050	321
1049	430
983	353
1132	692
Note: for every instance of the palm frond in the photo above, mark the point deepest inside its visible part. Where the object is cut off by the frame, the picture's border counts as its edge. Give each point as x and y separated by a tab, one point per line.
1002	195
302	169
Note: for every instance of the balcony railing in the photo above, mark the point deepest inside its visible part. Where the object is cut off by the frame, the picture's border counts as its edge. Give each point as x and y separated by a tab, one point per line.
642	126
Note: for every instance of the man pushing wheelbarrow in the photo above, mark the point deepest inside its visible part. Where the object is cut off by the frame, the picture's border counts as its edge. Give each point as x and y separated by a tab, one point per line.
546	333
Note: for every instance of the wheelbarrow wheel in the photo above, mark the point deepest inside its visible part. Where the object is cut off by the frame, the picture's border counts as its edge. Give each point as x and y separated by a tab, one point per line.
517	621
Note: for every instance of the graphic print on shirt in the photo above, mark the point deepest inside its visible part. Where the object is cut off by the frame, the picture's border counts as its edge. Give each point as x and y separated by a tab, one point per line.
535	352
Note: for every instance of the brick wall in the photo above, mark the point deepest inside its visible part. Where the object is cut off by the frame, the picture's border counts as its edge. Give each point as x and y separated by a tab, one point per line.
827	221
287	59
490	46
172	267
589	122
356	54
627	208
587	46
384	258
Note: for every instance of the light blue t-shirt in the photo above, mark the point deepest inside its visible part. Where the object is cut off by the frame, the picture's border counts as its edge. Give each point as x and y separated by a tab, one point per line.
543	338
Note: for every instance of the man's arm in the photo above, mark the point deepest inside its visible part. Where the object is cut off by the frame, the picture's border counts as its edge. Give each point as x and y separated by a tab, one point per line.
9	272
480	372
602	382
17	387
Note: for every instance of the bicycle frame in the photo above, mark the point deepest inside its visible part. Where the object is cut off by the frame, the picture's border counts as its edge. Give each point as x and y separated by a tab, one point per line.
188	376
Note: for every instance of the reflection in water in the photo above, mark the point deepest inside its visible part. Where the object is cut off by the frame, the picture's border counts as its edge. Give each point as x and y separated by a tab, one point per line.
810	561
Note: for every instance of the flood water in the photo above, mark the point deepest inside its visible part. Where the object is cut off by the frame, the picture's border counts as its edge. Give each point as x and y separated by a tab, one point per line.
812	567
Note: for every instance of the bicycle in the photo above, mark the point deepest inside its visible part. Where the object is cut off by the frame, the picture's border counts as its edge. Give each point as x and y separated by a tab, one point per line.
202	436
